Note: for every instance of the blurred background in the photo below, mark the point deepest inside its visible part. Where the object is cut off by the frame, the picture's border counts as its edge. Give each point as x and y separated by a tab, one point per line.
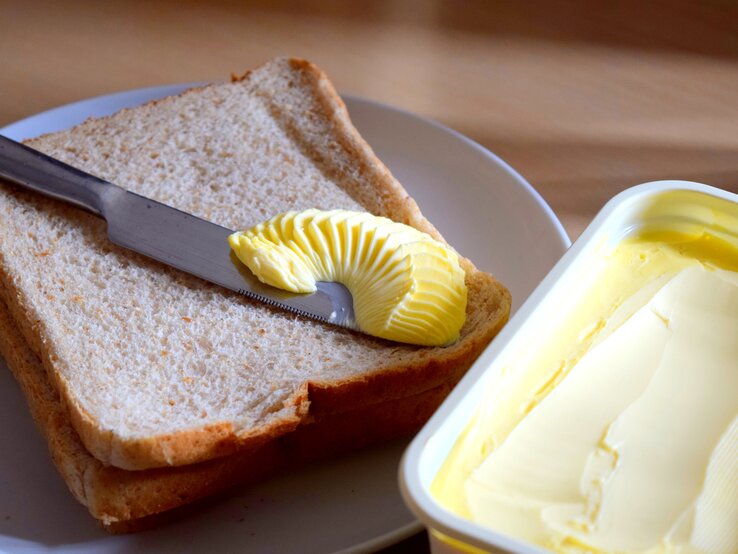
582	98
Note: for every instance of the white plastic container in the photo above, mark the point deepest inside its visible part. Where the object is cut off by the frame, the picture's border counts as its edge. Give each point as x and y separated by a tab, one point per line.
635	208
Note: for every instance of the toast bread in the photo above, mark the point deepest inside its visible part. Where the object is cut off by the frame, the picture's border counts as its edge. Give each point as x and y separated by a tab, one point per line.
156	368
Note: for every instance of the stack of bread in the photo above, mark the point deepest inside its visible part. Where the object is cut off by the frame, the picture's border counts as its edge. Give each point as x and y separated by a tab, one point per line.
154	388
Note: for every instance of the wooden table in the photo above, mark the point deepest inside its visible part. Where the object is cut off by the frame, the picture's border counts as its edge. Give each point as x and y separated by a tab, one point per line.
582	103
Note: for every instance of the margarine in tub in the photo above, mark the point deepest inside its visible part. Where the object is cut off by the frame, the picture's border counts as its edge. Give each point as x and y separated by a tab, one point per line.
616	430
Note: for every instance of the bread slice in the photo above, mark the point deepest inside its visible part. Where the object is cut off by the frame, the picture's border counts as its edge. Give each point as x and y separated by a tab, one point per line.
158	368
126	501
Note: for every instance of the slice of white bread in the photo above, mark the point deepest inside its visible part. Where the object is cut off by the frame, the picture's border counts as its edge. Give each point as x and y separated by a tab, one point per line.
128	501
156	367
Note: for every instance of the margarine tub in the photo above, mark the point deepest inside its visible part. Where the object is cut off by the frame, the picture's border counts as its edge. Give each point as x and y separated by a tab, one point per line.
604	417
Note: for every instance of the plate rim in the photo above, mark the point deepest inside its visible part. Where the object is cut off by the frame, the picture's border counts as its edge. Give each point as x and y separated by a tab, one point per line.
151	93
562	235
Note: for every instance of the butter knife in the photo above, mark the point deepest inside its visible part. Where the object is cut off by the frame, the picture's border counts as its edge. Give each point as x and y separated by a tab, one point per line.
166	234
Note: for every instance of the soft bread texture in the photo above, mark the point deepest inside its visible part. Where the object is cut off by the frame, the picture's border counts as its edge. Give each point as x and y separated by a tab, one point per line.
127	501
157	368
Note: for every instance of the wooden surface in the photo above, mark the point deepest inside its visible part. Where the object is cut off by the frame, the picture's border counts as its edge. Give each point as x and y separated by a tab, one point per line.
584	103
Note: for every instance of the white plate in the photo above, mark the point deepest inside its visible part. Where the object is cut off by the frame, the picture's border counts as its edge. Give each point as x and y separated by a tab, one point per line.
480	204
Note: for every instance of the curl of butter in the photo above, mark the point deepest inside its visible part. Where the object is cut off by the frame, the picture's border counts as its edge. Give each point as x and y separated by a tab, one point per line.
406	286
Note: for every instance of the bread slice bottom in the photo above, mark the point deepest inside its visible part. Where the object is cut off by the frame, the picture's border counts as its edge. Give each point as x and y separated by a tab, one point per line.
127	501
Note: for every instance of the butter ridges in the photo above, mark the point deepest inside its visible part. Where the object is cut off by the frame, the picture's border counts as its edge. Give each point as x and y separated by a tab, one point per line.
406	286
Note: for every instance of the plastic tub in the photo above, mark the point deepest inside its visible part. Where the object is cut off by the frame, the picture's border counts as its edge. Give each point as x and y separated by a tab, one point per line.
636	208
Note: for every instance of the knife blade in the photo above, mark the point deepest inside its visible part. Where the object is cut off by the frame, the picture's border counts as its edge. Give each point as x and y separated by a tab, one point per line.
166	234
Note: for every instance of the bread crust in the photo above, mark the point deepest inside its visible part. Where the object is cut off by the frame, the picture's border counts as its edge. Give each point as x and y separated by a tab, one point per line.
380	193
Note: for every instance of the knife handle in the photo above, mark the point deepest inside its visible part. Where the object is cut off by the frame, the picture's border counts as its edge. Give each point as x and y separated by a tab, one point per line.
34	170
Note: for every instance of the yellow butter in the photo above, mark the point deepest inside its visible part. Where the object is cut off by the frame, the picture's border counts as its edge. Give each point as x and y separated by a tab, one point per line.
620	433
406	286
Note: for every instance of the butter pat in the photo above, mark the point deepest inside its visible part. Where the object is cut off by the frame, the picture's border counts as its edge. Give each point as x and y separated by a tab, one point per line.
623	435
406	286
